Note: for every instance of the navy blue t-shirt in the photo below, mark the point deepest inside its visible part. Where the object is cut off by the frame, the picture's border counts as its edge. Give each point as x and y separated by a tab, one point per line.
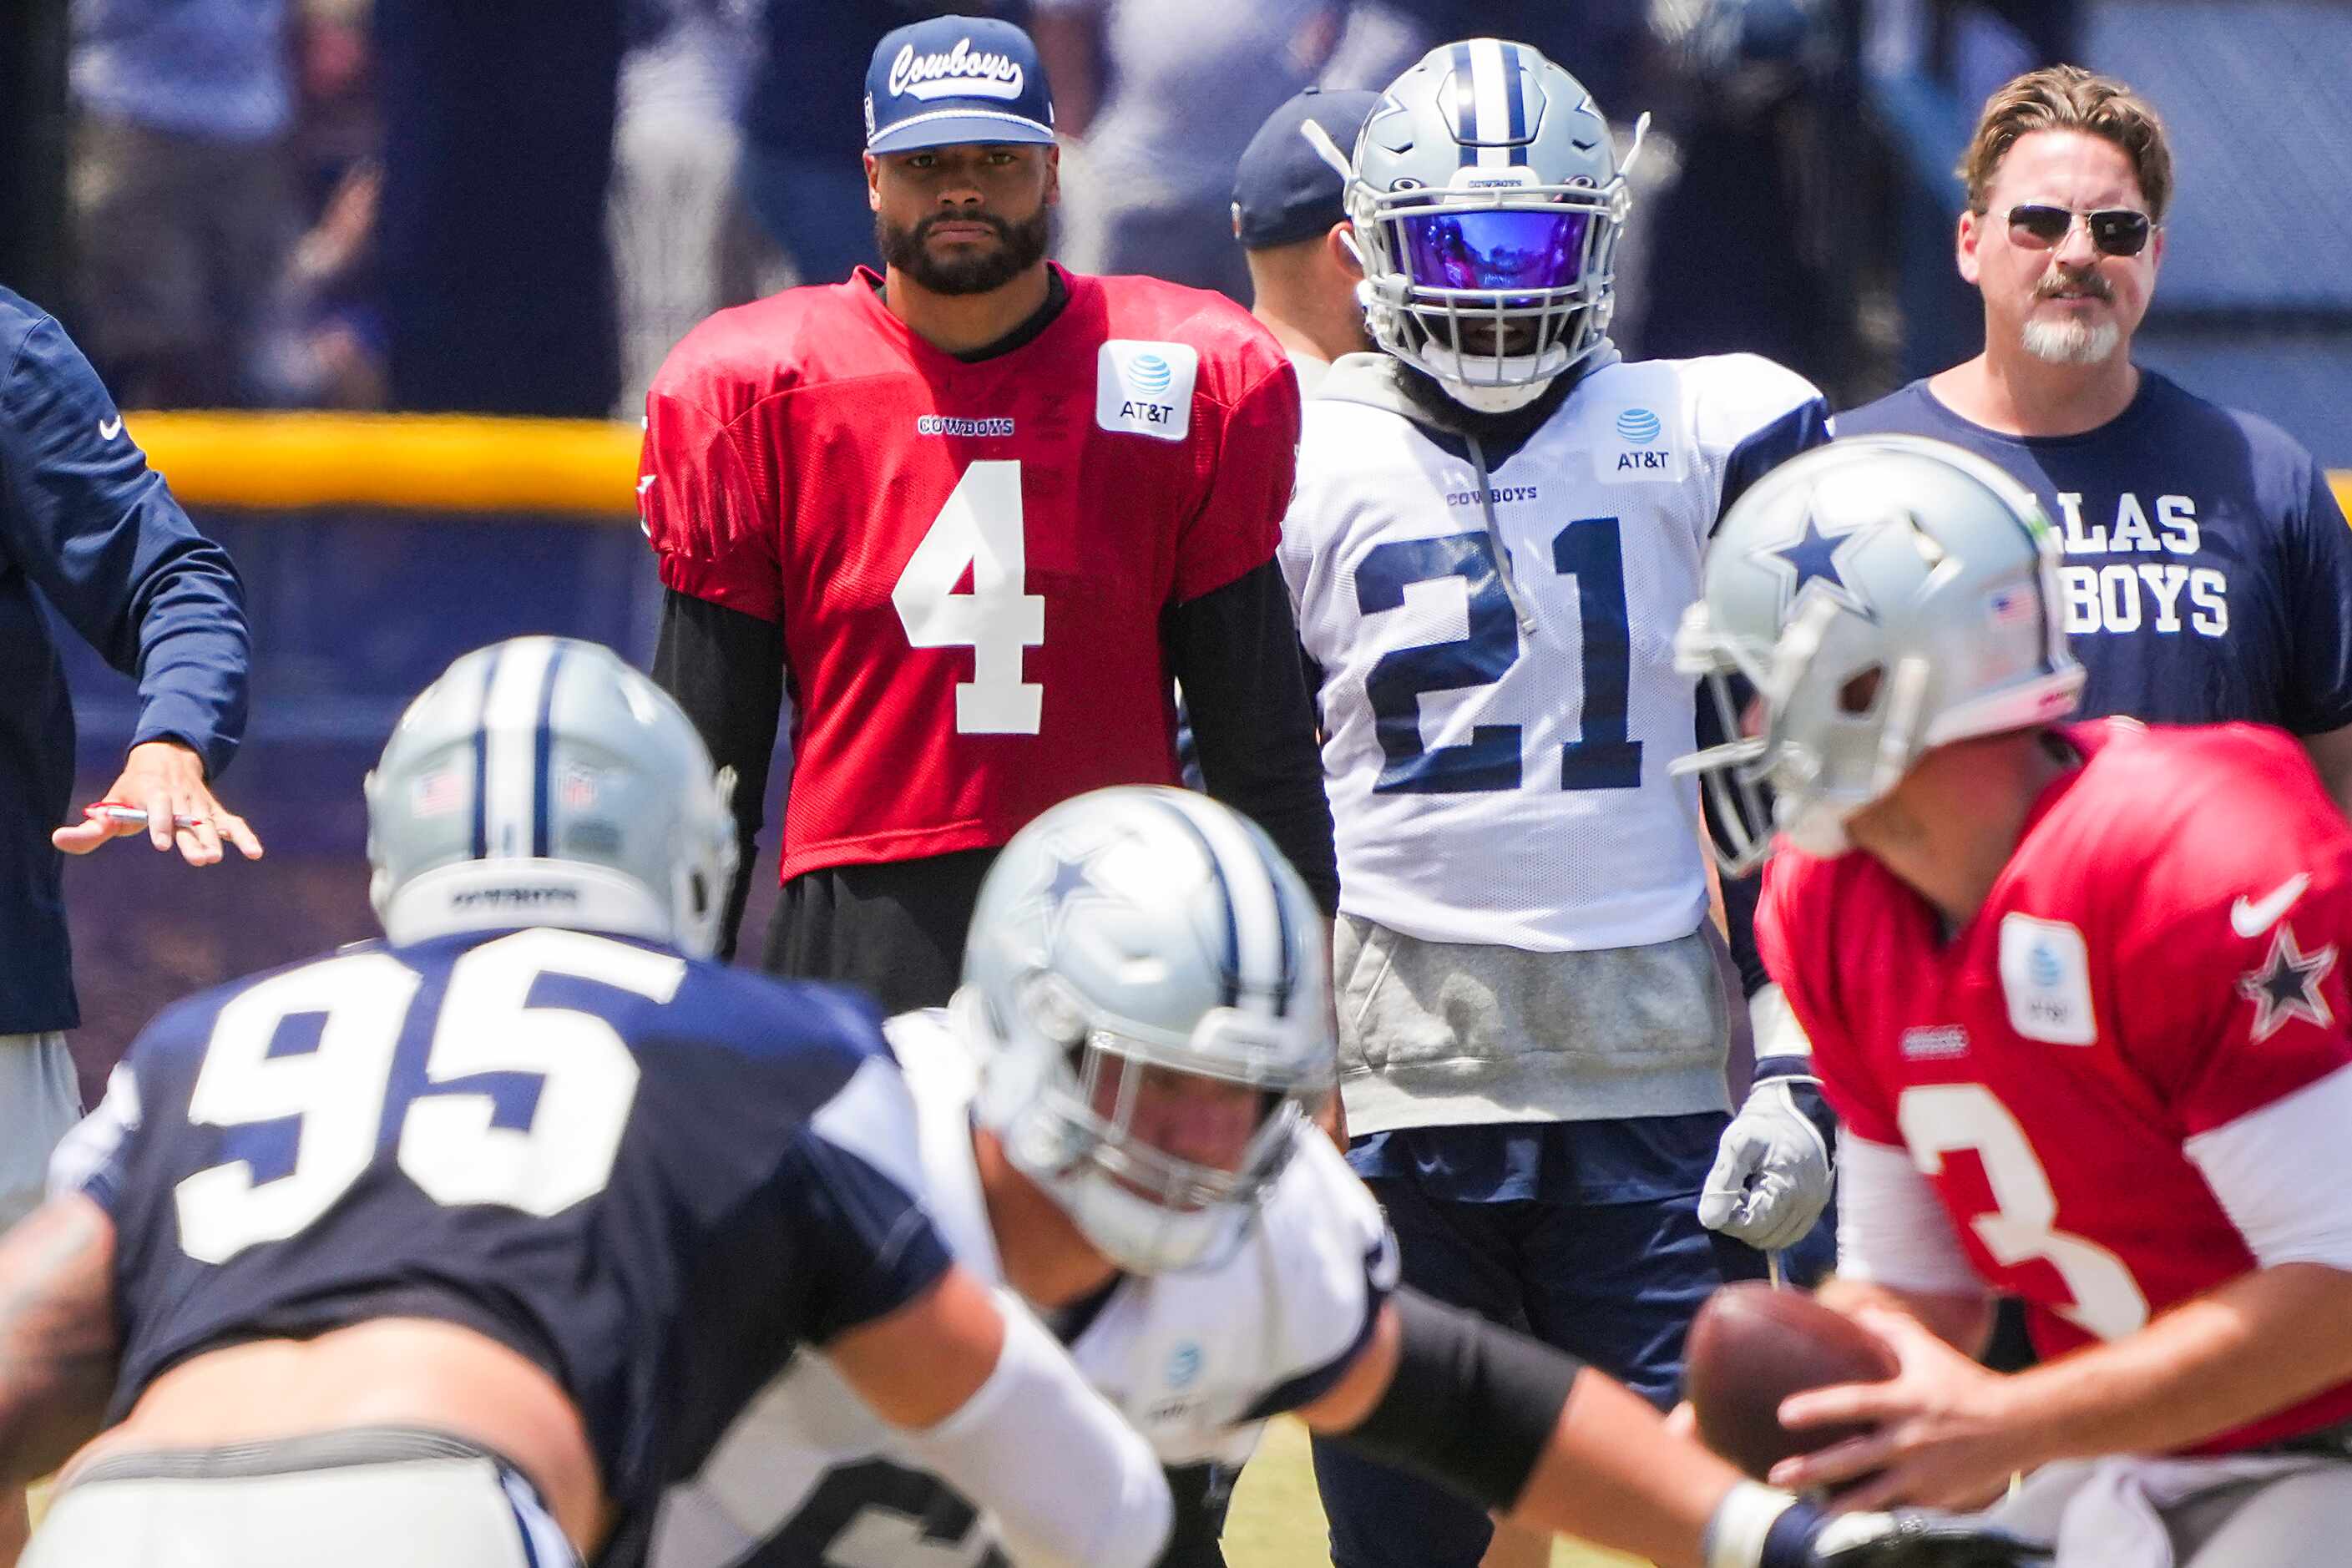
2209	569
652	1177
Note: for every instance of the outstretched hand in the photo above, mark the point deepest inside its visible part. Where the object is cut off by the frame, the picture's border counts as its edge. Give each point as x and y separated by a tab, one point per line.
165	780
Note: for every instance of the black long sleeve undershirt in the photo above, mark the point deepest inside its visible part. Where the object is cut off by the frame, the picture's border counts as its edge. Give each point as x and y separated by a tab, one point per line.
727	670
1235	651
1739	894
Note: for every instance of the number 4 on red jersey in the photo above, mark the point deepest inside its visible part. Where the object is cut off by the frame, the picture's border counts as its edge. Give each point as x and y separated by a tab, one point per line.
969	561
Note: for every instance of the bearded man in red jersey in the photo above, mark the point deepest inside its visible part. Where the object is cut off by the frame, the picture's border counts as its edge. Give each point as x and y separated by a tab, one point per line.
977	517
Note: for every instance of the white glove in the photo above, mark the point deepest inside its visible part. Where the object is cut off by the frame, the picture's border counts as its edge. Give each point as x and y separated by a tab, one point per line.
1771	1176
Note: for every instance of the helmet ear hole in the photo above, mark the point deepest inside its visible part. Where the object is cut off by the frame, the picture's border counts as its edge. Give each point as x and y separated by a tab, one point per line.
1860	693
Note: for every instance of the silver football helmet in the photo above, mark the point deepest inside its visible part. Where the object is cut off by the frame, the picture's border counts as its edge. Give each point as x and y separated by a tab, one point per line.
1126	945
1881	595
543	781
1486	205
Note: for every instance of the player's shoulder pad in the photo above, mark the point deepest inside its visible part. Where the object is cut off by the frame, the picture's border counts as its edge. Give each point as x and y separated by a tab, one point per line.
757	1013
1237	352
737	357
2201	807
1360	429
1734	397
179	1033
1326	1248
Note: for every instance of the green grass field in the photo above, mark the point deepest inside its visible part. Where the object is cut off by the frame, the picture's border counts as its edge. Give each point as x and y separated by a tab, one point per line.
1276	1522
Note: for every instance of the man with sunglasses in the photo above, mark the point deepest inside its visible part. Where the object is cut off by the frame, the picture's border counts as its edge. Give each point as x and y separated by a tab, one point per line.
1498	523
2209	570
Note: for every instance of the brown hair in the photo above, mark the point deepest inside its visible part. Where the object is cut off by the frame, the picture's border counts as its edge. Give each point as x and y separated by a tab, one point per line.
2068	98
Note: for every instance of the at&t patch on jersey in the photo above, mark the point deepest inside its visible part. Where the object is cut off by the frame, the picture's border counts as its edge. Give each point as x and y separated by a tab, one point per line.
1145	388
1640	442
2045	975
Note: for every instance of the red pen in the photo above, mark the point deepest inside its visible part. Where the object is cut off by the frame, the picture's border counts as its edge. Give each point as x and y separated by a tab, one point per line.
115	811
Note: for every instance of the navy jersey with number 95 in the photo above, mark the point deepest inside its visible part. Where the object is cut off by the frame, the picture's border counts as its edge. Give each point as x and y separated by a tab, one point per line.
652	1176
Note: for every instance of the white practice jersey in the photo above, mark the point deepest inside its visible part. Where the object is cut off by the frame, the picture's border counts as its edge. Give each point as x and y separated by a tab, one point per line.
1499	782
1196	1361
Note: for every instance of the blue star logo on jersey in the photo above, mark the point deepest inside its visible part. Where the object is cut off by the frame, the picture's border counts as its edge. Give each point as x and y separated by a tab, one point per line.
1813	557
2287	985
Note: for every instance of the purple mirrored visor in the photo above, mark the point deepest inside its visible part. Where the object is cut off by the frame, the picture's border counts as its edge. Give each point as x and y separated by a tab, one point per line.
1503	248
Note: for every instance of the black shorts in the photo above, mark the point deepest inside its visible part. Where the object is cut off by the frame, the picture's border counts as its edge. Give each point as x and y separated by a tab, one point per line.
895	930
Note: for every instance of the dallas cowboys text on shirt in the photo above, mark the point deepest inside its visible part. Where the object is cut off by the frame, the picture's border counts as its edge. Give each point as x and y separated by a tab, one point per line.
2152	586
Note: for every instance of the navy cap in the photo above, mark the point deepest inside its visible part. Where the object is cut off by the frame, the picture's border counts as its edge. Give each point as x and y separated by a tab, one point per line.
955	78
1283	190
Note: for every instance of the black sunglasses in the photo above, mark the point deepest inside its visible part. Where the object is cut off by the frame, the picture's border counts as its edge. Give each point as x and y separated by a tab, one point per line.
2116	231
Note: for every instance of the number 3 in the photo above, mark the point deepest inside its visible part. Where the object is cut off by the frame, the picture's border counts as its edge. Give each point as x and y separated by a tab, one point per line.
981	527
447	1144
1945	1118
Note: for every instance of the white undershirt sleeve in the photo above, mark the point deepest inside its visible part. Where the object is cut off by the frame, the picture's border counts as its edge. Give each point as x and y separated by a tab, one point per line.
2284	1175
1892	1228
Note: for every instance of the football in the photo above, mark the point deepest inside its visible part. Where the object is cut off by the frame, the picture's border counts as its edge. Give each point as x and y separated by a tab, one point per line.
1751	1346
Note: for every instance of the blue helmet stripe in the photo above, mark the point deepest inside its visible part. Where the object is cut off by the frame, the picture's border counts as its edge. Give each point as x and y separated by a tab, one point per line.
482	758
1230	967
1515	95
542	750
1465	106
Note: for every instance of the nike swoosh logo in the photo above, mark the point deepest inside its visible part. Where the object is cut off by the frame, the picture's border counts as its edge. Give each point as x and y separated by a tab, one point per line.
107	429
2249	918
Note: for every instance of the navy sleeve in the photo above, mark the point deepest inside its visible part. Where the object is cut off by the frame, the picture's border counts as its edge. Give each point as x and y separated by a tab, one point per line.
870	1243
1762	451
1235	651
98	532
1740	894
851	1180
2319	617
727	670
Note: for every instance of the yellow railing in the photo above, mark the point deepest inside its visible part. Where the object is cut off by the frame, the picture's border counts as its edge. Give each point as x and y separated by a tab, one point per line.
423	462
405	462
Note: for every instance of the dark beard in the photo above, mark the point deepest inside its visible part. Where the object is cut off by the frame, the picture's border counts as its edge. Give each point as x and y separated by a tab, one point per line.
1019	248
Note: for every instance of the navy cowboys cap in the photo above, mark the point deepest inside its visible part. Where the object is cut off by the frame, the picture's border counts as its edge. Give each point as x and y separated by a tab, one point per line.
1283	190
955	78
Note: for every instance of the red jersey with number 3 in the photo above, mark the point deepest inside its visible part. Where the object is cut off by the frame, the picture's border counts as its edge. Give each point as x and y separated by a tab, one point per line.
969	561
2156	964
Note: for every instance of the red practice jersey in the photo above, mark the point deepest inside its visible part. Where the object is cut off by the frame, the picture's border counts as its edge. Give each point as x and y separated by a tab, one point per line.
2156	962
969	561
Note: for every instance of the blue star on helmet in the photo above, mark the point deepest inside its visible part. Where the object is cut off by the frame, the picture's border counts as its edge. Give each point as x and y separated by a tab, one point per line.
1813	557
1070	879
2287	985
